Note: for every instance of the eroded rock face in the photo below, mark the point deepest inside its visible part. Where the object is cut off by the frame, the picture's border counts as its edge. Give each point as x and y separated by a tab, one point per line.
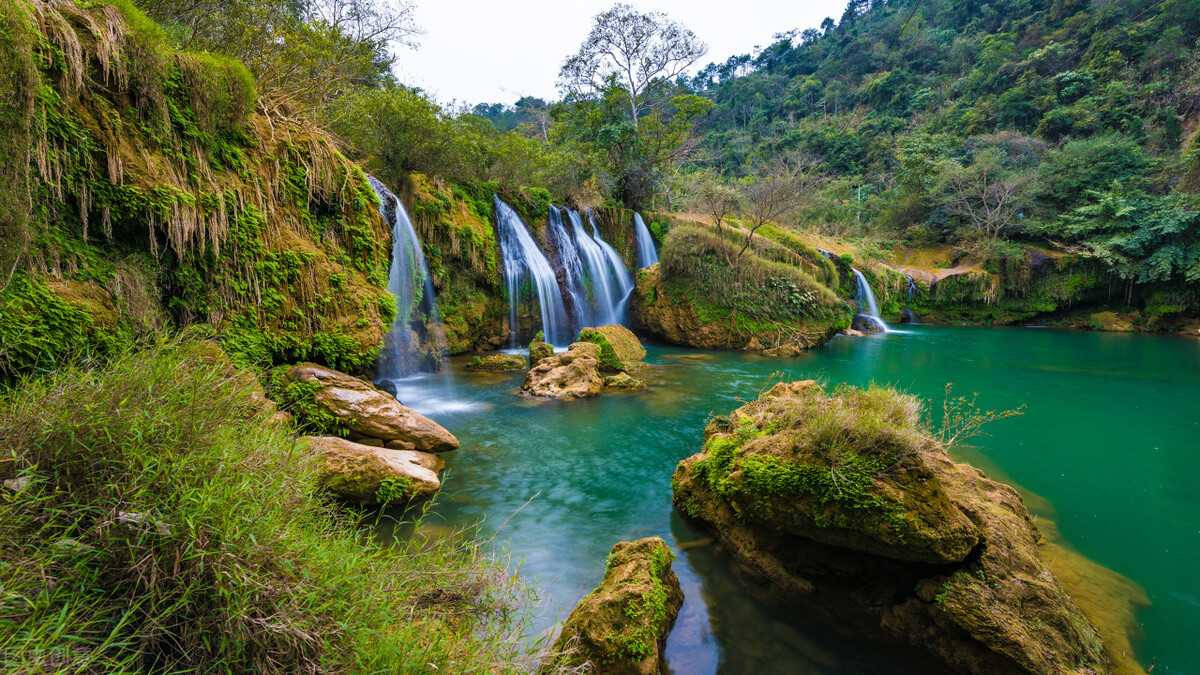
845	503
370	475
573	374
370	413
620	627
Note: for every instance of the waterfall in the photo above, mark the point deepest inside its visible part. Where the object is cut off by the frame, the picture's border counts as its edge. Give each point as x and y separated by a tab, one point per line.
647	256
568	256
605	303
522	259
408	279
865	296
912	286
620	274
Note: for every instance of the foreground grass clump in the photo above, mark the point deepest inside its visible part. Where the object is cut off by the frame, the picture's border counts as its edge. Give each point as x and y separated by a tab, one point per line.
151	521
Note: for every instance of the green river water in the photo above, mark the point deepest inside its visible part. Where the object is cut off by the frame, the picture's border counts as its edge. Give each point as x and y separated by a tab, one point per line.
1111	438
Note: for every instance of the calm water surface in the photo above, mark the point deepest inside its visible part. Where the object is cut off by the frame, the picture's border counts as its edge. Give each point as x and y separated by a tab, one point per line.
1111	438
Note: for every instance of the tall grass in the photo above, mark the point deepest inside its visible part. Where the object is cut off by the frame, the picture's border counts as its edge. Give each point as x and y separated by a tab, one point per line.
165	527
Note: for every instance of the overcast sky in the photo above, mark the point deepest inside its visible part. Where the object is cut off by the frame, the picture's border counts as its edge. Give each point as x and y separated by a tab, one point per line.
476	51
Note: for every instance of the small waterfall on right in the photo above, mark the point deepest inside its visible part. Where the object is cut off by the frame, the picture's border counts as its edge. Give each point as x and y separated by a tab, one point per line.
864	296
524	260
624	281
647	255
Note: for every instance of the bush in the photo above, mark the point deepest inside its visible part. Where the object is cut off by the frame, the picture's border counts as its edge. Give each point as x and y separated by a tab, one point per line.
166	528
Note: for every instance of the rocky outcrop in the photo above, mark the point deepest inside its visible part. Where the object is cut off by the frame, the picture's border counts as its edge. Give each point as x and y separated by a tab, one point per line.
497	363
374	476
619	628
674	317
620	350
573	374
847	505
366	412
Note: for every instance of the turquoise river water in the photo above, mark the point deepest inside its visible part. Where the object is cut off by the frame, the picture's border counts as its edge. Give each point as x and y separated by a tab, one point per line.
1111	438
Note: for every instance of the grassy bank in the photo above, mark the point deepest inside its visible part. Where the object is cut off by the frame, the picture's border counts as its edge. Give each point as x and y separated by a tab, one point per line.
152	521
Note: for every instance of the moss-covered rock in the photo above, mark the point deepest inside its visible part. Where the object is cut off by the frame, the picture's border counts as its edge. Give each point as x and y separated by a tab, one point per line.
620	350
620	627
497	363
538	350
374	476
848	504
679	317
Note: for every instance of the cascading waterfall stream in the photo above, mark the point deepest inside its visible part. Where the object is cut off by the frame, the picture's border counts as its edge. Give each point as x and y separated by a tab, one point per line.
522	258
568	256
620	274
865	296
605	306
409	348
647	255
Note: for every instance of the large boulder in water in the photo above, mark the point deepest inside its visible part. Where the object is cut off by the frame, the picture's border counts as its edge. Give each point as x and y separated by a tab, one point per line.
620	350
573	374
368	475
538	350
620	627
860	518
367	412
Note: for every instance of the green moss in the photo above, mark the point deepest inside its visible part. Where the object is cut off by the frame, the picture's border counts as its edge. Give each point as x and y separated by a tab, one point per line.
298	399
608	356
40	331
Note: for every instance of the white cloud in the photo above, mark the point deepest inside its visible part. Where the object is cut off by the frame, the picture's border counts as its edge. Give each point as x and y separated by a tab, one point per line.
489	52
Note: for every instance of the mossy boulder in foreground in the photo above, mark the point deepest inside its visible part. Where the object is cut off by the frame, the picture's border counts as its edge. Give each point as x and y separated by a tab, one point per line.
369	475
851	507
620	627
332	401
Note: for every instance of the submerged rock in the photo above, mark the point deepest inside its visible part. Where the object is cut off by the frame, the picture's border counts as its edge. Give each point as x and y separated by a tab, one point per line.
620	627
847	504
497	363
573	374
620	350
367	412
623	381
371	475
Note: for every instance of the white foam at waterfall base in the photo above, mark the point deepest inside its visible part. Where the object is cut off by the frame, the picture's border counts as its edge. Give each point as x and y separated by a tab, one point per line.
647	255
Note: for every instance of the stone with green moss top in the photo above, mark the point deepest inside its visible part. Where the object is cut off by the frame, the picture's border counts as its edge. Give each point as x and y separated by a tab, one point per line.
619	628
539	349
620	350
849	505
497	363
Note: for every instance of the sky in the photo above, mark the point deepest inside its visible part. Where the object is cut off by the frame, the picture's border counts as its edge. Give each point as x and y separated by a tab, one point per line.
477	51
